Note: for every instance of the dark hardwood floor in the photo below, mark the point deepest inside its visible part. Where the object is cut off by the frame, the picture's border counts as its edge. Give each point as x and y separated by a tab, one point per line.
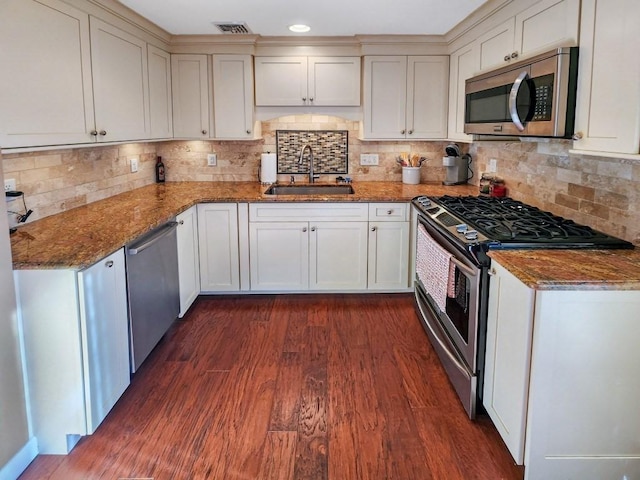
286	387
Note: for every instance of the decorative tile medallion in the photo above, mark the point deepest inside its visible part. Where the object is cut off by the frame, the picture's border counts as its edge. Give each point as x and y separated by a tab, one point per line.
330	151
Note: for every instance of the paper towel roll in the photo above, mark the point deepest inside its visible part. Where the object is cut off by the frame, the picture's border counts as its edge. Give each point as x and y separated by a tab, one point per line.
268	168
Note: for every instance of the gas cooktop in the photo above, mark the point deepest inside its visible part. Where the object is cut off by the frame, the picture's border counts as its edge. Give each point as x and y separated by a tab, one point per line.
508	223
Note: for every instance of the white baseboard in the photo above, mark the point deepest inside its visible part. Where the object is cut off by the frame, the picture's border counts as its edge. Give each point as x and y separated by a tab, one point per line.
20	461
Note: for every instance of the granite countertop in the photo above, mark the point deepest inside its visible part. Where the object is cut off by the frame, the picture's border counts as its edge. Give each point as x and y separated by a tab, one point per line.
573	269
78	238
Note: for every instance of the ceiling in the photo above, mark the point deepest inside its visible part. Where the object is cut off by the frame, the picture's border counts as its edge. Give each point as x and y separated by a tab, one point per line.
325	17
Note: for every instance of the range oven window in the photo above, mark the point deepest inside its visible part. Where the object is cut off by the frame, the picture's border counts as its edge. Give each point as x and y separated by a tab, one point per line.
457	307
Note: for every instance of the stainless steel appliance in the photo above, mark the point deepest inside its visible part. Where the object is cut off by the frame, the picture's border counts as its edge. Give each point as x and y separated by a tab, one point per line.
458	168
454	235
152	286
534	97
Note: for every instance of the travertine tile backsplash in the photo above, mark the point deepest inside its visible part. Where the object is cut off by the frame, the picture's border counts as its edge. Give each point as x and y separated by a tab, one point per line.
601	192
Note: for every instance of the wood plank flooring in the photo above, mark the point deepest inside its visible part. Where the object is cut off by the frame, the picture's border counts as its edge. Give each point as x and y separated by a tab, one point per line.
289	387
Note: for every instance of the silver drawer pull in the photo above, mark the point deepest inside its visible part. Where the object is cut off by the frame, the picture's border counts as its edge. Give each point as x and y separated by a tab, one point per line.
109	264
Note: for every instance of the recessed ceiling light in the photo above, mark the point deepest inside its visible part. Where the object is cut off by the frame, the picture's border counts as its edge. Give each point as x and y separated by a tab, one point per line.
299	28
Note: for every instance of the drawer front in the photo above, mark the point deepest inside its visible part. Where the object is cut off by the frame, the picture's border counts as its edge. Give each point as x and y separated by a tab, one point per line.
308	212
388	212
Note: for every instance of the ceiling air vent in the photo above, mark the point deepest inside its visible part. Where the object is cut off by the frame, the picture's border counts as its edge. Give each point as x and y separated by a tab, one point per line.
232	27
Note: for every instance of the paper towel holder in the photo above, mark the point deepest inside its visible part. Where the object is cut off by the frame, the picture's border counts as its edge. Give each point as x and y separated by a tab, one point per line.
262	171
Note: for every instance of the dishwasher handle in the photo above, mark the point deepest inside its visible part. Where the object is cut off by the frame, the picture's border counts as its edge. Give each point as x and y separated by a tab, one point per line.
145	243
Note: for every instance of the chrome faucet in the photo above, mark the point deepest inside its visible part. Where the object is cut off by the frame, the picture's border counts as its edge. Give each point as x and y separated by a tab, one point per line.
312	177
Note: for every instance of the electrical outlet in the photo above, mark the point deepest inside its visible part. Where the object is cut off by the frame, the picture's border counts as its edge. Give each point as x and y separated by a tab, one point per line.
368	159
10	185
134	165
212	159
493	165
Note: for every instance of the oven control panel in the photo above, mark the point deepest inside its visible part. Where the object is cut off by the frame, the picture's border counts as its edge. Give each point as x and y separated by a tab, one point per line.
458	230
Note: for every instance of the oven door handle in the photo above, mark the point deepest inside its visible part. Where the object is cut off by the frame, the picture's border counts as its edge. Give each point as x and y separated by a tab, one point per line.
470	272
443	345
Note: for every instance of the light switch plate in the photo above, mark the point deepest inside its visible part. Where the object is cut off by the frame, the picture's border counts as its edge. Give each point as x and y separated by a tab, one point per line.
212	159
134	164
368	159
493	165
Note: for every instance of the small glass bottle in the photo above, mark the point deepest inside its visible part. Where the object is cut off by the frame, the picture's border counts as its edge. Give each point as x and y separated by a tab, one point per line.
485	184
159	171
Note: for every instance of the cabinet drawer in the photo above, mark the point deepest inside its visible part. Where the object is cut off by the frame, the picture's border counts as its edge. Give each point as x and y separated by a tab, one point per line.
308	212
388	212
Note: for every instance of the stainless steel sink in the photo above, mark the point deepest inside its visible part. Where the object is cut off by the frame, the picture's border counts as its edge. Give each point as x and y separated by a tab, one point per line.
308	189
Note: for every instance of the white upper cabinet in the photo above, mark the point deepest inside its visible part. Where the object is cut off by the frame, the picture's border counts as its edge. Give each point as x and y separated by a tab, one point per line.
190	85
405	97
120	82
233	96
46	95
608	108
544	25
160	111
318	81
464	62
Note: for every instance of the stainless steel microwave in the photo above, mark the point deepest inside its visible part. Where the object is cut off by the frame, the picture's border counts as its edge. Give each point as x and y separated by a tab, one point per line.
534	97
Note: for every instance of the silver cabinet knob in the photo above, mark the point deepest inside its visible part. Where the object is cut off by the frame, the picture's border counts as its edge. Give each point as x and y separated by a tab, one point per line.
402	132
248	132
311	99
94	133
410	132
313	229
181	222
577	136
514	55
103	132
492	272
204	132
507	58
389	212
109	264
373	229
304	229
304	99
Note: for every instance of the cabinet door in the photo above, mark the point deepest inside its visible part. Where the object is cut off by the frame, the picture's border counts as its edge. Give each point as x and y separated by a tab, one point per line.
338	256
608	108
281	81
495	47
233	96
507	358
546	24
160	111
188	258
120	82
427	94
190	92
388	256
218	241
334	81
46	95
105	336
465	62
385	97
279	256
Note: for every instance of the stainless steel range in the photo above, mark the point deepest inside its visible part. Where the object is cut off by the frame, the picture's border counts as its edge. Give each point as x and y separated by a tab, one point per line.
454	235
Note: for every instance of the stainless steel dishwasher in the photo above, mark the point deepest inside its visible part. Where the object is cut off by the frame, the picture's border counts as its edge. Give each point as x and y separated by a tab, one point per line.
152	286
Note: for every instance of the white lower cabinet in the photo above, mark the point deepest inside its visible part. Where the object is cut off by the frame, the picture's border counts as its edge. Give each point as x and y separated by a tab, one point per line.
76	347
388	259
219	247
188	258
308	246
559	382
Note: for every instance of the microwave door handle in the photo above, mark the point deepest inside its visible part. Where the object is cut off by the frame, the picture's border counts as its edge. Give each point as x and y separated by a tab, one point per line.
513	96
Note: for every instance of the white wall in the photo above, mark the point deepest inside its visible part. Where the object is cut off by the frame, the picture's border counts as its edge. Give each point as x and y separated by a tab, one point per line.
14	431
